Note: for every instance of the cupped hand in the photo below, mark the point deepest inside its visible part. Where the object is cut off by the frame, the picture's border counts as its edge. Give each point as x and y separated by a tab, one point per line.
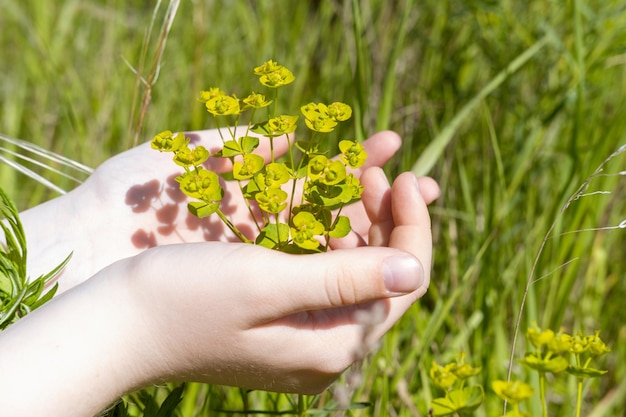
224	313
132	202
243	315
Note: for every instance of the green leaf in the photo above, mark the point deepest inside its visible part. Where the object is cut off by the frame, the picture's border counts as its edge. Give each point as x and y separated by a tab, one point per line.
272	235
265	129
248	143
34	291
442	406
202	209
330	196
580	372
342	227
251	189
294	249
46	297
251	165
171	402
230	149
18	296
553	364
458	401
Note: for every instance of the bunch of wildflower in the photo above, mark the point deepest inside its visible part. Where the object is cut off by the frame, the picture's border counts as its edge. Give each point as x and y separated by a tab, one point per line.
550	348
283	222
458	398
552	352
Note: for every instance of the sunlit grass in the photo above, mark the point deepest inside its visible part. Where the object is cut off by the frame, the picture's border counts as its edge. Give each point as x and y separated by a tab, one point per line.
508	149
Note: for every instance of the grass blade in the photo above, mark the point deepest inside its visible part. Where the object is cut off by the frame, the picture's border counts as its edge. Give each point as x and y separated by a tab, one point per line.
433	152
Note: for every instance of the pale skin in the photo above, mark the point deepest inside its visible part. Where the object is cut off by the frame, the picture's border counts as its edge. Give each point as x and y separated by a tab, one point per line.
218	312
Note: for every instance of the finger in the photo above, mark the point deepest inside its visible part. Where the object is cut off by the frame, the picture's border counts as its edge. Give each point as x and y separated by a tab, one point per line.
411	233
380	147
429	189
376	198
412	228
368	217
295	283
409	212
377	201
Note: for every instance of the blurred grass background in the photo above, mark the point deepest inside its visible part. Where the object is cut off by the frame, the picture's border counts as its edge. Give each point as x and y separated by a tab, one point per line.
507	161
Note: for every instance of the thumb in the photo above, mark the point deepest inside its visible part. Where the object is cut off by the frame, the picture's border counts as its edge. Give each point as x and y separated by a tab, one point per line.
295	283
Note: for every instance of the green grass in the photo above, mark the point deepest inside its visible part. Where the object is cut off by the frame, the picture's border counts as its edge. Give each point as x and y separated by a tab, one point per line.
509	141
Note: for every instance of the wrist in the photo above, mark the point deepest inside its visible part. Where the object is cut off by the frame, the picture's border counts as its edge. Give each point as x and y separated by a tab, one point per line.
76	354
54	230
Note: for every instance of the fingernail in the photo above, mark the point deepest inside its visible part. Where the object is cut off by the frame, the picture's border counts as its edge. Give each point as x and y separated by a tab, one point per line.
402	274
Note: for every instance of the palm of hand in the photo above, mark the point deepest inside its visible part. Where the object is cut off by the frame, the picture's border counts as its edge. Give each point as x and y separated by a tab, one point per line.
139	191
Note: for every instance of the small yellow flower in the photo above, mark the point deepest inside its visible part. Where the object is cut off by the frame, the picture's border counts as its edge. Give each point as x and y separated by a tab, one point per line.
223	105
305	228
465	370
256	101
318	117
321	124
442	376
276	174
188	157
538	337
282	125
579	344
325	170
200	184
251	164
355	186
512	391
596	346
339	111
267	67
210	93
561	342
277	78
167	142
315	110
353	153
272	200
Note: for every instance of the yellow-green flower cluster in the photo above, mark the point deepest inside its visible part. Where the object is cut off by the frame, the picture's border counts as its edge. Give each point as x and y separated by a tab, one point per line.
459	398
550	348
320	117
282	222
446	376
274	75
512	391
196	182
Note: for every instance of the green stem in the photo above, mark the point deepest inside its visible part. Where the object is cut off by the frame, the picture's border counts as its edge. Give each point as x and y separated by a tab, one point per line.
256	221
249	126
579	397
232	227
275	103
278	230
219	129
301	405
542	394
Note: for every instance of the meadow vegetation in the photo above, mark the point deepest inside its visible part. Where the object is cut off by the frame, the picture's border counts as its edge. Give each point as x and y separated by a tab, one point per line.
511	106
